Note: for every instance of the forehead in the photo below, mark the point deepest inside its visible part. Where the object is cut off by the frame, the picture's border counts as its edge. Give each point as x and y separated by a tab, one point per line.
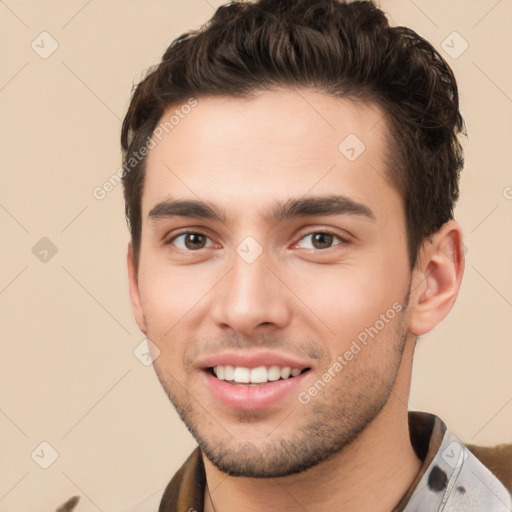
277	144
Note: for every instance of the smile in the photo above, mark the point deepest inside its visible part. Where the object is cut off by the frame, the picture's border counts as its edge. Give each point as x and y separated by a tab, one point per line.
259	375
257	388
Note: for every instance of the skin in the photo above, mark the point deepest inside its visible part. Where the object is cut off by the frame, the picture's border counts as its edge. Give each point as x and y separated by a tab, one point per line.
348	448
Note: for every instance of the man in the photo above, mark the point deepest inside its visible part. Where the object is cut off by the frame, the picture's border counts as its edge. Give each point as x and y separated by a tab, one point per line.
291	171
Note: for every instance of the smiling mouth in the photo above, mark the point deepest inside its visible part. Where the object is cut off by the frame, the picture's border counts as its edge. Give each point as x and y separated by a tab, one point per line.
241	375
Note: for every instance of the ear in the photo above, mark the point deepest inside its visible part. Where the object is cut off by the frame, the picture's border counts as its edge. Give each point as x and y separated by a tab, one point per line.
437	278
134	291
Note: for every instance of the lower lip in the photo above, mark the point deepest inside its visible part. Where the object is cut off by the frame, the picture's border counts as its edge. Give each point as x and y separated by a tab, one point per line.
245	396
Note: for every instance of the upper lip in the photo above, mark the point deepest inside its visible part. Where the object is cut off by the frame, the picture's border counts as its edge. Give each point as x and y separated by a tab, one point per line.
252	360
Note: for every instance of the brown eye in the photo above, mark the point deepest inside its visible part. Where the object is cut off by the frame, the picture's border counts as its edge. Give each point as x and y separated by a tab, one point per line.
191	241
194	241
322	240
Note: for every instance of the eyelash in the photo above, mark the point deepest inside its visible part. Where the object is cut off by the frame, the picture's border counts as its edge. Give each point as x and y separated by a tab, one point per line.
342	240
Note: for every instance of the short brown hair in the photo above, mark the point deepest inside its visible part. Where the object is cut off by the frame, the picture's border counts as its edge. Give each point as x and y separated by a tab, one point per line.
345	49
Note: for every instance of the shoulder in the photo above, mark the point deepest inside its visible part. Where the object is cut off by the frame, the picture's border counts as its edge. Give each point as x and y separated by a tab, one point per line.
497	459
460	480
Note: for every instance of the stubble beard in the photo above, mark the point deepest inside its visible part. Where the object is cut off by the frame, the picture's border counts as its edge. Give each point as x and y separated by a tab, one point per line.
326	425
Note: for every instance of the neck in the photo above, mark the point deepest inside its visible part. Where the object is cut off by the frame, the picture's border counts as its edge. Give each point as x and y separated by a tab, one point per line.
370	474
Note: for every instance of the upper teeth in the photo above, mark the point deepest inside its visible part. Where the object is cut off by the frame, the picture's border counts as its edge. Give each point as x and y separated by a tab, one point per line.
254	375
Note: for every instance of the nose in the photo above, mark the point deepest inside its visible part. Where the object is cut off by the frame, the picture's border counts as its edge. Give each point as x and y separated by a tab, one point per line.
251	298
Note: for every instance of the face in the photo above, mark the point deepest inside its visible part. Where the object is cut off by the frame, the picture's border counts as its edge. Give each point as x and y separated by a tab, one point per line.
273	276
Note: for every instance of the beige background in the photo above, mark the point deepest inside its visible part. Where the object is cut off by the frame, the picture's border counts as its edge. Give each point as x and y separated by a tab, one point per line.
68	373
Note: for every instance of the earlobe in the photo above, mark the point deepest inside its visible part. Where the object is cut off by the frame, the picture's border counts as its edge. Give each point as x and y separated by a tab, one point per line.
134	291
437	278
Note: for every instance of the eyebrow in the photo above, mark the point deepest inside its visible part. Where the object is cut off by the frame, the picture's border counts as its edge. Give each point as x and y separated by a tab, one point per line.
292	208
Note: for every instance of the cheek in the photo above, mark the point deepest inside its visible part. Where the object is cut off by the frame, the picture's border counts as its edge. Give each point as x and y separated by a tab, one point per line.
165	303
348	299
169	293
